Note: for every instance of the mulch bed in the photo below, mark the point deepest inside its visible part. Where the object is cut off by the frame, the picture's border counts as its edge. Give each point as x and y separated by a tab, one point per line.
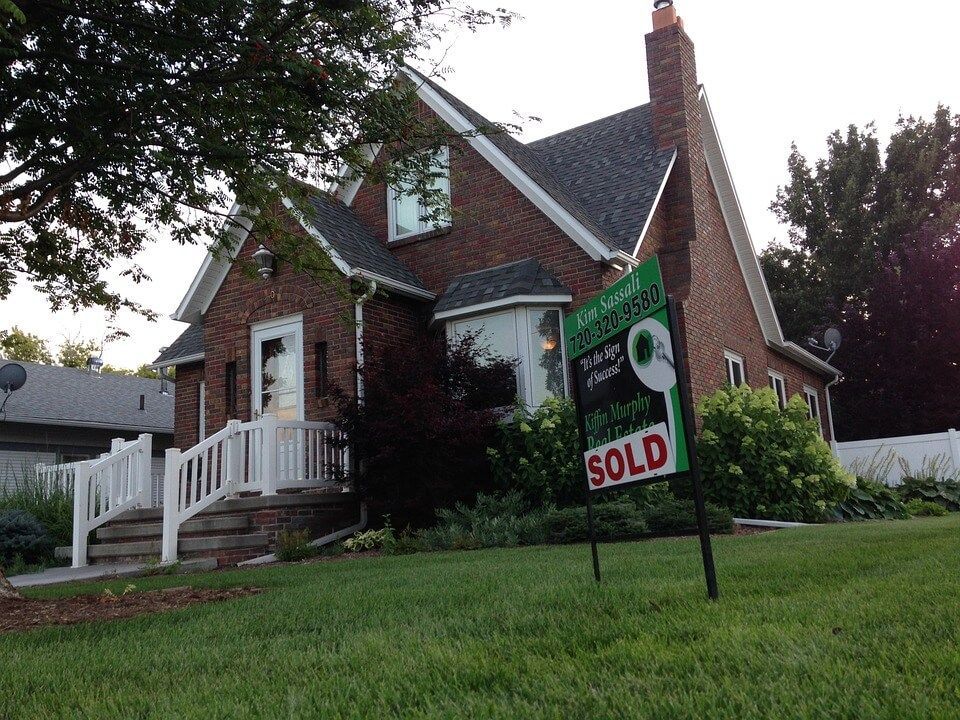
29	613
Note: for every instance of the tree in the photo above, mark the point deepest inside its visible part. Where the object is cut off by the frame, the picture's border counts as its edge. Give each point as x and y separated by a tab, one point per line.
852	209
74	352
144	371
120	120
901	350
15	344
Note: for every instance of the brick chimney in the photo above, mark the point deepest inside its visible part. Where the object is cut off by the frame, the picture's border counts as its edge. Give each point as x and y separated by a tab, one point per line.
676	120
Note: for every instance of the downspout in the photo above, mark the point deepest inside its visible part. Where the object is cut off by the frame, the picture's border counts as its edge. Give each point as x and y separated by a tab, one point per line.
826	392
358	318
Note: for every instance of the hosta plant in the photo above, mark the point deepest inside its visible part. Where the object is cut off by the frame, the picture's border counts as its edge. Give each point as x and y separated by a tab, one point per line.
763	462
870	500
928	488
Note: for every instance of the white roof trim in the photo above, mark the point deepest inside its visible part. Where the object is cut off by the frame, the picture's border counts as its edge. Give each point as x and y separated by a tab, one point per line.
338	261
185	360
656	203
533	192
400	287
736	223
512	301
347	192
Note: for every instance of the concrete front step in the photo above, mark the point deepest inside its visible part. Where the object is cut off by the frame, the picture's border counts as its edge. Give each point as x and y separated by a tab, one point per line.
127	530
148	549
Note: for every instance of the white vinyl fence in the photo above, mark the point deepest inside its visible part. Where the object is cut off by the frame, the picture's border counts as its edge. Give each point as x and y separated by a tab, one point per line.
896	456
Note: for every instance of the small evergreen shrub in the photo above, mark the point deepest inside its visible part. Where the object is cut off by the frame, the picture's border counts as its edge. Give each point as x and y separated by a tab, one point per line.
23	537
673	516
762	462
615	520
538	455
493	521
52	507
870	500
925	508
928	488
294	545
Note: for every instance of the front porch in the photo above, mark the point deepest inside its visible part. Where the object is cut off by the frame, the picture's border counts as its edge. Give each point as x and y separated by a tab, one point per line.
228	497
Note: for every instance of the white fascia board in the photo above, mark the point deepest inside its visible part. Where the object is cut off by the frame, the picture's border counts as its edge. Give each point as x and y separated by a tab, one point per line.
173	362
656	203
596	249
736	223
346	187
88	424
338	261
400	287
212	271
513	301
805	357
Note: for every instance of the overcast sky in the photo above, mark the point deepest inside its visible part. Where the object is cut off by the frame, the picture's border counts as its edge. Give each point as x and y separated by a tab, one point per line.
775	72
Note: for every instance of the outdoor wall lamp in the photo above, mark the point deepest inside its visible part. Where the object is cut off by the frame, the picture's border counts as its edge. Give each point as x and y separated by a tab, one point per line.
264	260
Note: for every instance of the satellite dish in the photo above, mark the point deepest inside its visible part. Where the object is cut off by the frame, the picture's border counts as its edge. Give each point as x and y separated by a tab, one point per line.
831	338
12	377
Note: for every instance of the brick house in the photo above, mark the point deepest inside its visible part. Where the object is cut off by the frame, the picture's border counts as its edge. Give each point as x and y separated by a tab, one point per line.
536	229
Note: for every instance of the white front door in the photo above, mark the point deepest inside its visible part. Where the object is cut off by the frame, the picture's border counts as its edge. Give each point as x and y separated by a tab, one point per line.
276	368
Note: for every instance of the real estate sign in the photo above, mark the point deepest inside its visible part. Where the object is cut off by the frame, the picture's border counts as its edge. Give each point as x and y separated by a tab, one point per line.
621	348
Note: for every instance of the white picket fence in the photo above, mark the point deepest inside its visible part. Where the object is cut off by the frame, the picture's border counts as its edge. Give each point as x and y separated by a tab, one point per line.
910	452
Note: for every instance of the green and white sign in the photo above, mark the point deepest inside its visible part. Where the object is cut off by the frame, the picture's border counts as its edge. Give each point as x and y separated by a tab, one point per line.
621	351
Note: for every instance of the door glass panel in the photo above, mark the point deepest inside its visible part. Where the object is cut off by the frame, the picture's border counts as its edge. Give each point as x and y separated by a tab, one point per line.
546	357
278	377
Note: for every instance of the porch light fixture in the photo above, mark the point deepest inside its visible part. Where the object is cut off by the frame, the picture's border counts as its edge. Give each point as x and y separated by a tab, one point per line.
264	260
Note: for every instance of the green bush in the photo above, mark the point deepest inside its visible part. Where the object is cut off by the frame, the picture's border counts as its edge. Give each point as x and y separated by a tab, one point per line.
493	521
945	492
293	545
52	507
925	508
764	462
538	455
23	538
615	520
369	540
871	500
673	516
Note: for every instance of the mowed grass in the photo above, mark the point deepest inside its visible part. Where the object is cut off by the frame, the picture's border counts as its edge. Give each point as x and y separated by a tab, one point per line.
851	621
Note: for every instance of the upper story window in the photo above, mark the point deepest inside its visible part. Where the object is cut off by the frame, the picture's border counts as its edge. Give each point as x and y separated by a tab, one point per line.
813	404
532	336
779	385
407	212
736	370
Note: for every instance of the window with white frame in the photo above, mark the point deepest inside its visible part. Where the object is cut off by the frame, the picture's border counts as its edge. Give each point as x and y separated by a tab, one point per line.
813	405
736	370
407	212
531	336
779	385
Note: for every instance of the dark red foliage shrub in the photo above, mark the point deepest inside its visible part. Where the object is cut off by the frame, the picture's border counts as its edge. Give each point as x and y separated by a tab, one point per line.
421	432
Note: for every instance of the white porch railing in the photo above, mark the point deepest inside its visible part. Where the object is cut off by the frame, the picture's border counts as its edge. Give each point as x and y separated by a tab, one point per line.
264	456
56	477
104	488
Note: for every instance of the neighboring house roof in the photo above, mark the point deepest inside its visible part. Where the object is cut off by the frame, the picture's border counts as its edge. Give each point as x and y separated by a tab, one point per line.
614	168
188	347
78	398
513	283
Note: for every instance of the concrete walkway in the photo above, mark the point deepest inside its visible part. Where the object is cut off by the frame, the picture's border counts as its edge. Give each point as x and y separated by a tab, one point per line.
51	576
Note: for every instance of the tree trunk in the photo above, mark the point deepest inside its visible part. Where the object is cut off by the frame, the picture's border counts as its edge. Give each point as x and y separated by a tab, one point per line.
8	591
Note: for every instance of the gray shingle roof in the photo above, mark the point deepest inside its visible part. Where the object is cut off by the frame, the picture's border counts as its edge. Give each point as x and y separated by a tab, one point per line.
66	396
525	277
614	167
605	174
354	242
188	344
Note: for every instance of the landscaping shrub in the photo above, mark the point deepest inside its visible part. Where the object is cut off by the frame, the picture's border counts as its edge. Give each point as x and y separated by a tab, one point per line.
538	455
53	508
369	540
493	521
425	423
945	492
871	500
23	537
293	545
925	508
615	520
762	462
674	516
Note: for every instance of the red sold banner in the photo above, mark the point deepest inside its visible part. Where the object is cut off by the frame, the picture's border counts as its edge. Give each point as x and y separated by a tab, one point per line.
643	455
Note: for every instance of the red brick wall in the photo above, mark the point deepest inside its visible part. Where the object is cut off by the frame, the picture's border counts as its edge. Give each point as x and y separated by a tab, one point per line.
186	411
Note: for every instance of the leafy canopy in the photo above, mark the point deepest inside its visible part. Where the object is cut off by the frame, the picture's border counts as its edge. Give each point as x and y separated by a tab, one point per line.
121	121
16	344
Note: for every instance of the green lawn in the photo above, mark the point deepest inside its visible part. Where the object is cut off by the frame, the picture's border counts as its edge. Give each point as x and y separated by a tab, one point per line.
852	621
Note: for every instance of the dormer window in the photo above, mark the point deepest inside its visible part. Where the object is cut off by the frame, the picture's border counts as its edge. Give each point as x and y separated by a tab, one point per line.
407	212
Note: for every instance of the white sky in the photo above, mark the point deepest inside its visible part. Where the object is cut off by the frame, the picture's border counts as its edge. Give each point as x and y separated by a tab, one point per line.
775	72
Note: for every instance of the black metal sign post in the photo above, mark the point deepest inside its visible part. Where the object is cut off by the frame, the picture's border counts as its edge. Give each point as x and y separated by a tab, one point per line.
634	409
696	479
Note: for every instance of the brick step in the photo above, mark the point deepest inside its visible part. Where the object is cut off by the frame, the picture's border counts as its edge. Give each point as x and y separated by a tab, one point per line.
124	532
145	550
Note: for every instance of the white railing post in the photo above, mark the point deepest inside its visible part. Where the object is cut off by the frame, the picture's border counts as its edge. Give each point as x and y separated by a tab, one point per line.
145	466
234	458
269	458
171	506
81	509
